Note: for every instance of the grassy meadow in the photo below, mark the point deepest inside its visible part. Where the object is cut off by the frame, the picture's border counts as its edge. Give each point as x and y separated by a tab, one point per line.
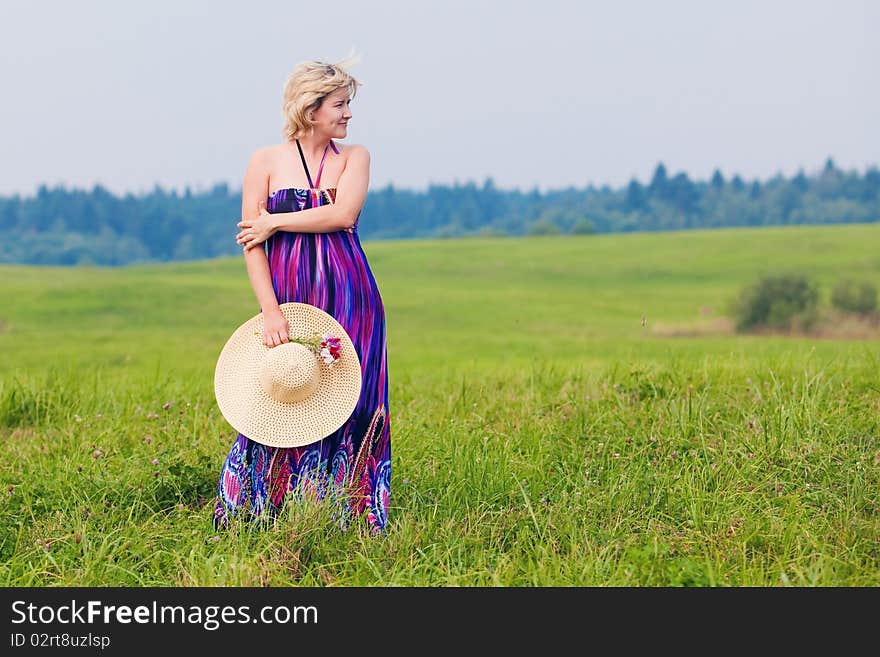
565	410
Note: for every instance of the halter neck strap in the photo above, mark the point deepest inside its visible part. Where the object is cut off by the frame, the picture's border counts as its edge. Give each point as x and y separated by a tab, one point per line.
317	183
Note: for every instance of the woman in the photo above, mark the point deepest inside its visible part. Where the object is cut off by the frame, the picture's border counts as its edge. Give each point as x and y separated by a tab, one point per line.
301	244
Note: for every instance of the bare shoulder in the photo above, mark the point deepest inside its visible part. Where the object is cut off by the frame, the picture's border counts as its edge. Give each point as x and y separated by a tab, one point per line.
264	158
261	158
358	151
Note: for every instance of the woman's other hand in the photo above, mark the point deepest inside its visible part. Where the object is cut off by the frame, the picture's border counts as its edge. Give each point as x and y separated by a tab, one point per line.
255	231
275	328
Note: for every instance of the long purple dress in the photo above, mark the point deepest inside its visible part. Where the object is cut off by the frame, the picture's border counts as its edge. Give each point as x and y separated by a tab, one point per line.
330	271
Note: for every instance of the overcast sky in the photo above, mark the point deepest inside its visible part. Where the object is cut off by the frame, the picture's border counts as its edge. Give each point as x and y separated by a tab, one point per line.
541	93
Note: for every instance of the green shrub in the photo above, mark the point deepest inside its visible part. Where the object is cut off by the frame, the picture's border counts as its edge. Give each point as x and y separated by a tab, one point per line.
544	227
583	226
778	301
854	296
491	231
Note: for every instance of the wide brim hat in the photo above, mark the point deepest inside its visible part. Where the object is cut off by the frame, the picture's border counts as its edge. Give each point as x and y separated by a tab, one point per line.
288	395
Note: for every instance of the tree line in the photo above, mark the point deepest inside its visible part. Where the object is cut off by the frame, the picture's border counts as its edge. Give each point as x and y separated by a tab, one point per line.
61	226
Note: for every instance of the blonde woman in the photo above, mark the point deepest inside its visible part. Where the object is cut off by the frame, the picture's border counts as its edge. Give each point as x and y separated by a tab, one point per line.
301	201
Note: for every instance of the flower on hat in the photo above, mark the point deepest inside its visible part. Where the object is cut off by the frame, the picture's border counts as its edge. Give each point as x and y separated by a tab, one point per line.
330	347
327	346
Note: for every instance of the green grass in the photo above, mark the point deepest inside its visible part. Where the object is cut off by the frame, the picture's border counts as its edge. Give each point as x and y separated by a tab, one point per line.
542	432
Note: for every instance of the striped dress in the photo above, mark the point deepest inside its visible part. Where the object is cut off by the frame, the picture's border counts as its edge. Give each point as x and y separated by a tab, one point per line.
330	271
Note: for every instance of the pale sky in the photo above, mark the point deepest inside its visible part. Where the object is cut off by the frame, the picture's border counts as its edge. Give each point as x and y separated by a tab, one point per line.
540	93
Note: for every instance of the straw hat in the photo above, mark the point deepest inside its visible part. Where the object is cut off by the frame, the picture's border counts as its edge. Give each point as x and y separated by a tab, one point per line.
288	395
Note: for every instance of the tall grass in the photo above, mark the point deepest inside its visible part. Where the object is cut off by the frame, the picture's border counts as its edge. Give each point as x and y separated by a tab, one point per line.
541	433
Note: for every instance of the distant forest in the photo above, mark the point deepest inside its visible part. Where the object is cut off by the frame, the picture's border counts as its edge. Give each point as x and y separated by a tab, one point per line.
62	226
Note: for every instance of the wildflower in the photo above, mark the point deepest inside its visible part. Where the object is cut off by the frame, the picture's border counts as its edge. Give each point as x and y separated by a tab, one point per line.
326	346
330	347
97	453
166	406
155	461
327	356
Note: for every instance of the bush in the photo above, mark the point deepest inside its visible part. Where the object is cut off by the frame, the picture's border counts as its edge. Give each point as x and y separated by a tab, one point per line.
779	301
544	227
583	226
491	231
854	296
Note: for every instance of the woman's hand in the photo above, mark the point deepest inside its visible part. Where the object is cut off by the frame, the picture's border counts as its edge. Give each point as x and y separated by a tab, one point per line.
275	327
255	231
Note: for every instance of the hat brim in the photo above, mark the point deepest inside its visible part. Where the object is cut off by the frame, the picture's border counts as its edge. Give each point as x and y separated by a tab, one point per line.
251	411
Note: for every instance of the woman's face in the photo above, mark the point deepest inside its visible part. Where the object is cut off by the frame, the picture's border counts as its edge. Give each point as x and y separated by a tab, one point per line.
332	117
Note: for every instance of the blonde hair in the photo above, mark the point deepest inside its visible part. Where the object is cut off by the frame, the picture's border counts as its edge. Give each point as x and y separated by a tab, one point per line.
307	87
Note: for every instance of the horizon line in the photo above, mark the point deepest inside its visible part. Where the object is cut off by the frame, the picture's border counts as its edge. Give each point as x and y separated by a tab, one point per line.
198	188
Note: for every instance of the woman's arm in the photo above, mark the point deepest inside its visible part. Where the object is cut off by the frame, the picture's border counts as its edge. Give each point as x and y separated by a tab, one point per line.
351	192
254	191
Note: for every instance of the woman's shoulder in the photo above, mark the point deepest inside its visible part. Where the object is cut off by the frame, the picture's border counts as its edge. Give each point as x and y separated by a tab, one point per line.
271	151
271	157
350	149
356	151
263	156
